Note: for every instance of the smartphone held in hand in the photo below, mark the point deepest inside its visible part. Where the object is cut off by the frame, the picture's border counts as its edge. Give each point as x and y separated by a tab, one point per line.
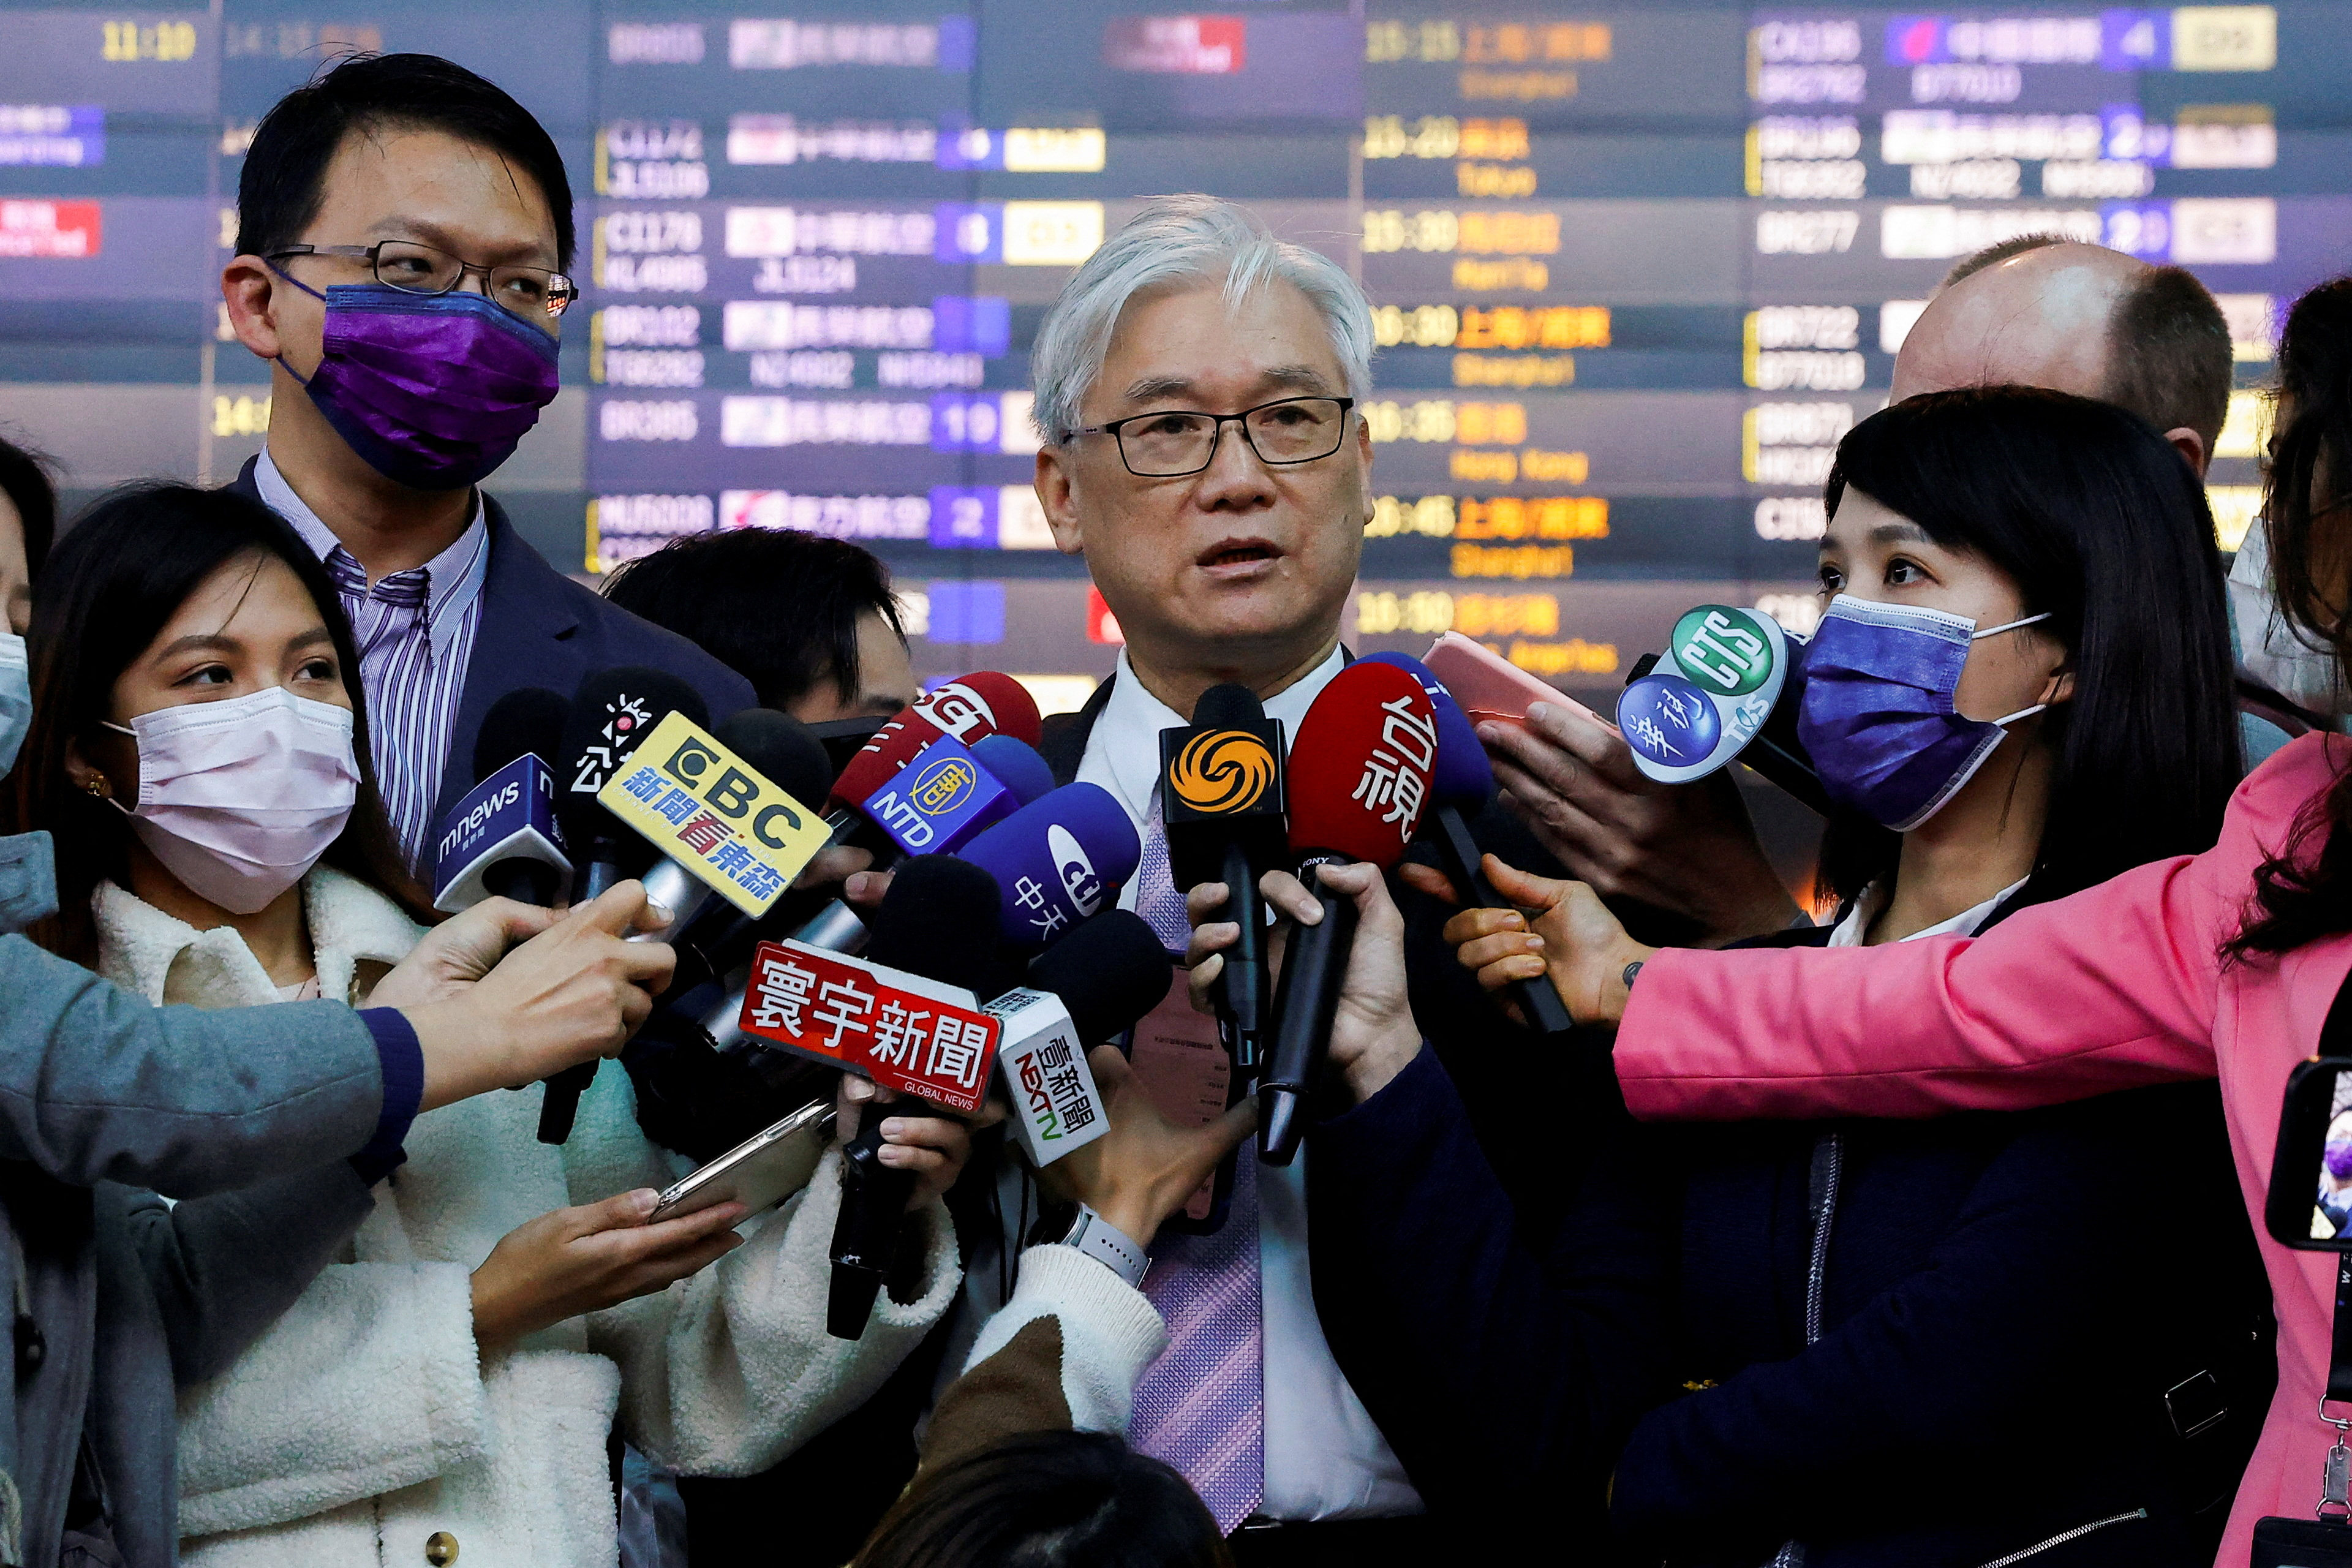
759	1172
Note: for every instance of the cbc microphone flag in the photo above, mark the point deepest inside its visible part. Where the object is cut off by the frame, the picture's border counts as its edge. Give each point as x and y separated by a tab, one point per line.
906	1033
708	809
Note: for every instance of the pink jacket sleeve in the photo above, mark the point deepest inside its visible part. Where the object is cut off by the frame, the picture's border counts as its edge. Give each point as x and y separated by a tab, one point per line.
2109	989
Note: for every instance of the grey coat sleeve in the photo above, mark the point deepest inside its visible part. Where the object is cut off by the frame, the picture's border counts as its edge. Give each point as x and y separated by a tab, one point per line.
224	1268
96	1085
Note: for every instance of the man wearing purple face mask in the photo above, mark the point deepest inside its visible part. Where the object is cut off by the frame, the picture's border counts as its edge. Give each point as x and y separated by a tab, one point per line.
403	231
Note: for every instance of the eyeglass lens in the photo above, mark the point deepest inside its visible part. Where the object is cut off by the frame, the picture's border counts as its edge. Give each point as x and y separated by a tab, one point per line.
1296	431
422	269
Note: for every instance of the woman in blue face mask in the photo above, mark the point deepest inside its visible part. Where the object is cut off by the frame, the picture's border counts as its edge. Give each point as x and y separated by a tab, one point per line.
1869	1342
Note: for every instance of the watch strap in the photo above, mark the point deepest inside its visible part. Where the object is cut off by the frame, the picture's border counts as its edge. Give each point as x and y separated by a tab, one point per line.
1108	1246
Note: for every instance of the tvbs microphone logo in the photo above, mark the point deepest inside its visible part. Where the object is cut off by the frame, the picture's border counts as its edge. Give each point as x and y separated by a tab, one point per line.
1222	771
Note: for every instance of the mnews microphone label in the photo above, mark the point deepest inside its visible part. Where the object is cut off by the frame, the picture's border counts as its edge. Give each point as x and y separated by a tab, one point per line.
514	810
706	808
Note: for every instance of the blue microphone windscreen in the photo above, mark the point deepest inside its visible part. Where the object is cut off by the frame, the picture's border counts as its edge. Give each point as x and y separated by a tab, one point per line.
1015	765
1463	778
1058	859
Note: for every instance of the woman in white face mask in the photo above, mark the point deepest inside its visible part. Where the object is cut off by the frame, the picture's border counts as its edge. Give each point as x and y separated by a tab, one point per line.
199	753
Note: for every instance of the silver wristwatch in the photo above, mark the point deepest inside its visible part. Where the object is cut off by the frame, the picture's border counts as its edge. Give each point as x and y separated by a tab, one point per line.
1108	1246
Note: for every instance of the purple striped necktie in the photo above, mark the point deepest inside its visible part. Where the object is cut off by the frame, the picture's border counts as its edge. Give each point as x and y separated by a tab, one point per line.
1201	1407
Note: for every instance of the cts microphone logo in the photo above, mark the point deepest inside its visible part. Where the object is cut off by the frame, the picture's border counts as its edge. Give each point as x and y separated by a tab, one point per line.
944	785
1077	872
1222	771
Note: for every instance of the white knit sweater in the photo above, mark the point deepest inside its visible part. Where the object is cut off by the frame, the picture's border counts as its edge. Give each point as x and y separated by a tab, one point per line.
366	1420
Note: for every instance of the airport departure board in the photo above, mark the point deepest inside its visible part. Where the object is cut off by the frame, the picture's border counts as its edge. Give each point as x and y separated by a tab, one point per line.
1635	268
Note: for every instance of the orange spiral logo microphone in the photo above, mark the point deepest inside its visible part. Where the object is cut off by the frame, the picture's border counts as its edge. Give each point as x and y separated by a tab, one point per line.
1224	770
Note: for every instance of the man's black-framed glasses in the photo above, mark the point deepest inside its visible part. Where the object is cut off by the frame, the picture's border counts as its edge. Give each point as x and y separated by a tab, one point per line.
531	292
1176	442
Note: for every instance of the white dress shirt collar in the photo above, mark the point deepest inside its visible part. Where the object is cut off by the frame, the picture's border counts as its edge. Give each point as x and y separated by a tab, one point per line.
1127	736
1851	929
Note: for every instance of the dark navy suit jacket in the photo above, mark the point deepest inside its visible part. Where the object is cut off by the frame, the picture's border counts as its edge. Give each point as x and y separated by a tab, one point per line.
539	627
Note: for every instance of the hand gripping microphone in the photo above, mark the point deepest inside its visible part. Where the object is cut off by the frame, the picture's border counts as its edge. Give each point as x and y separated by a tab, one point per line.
925	925
1221	800
1464	784
613	711
1359	779
1094	984
501	840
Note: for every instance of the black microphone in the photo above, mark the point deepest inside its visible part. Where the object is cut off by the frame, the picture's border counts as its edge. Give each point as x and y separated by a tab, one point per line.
1221	801
1096	983
611	712
939	921
1359	778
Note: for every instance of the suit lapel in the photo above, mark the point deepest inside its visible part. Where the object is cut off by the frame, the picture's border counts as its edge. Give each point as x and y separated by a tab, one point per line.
1062	744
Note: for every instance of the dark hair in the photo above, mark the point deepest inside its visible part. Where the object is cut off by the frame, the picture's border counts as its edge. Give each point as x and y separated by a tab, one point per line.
1048	1499
2169	357
2097	521
24	480
777	606
2306	501
1996	253
284	178
121	572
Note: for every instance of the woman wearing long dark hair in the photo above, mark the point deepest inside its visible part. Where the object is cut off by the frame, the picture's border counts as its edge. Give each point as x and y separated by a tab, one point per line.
1868	1343
2223	962
199	753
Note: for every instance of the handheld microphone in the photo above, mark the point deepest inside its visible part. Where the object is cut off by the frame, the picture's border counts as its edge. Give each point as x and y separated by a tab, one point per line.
612	713
781	765
1015	764
1359	779
501	840
1059	859
1727	686
925	925
1462	784
1221	803
1097	982
965	710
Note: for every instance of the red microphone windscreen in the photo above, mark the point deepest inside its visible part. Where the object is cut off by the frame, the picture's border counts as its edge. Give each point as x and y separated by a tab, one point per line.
1360	764
971	708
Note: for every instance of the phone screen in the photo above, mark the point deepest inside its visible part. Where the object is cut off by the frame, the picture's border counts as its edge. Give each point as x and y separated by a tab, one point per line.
2331	1209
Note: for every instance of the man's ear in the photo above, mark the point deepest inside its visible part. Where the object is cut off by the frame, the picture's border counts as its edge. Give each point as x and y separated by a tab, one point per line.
1053	493
249	291
2191	446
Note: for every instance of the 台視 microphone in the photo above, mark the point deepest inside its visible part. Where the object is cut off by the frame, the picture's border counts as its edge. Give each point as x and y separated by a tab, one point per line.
1221	800
1059	859
612	712
501	840
1462	784
1099	982
925	925
1359	779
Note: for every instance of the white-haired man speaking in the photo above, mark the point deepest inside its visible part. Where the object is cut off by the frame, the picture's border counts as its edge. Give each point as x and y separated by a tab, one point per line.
1197	384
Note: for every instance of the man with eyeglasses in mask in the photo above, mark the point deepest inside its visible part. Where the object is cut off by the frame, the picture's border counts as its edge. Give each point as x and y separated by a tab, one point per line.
403	232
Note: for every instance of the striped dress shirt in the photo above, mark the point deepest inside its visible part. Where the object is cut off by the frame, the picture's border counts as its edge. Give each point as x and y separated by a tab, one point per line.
416	632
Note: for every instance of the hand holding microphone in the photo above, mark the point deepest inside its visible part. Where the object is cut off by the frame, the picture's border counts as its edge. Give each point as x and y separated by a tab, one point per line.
1576	941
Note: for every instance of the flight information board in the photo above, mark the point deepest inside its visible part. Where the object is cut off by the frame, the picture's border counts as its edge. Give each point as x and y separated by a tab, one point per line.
1635	268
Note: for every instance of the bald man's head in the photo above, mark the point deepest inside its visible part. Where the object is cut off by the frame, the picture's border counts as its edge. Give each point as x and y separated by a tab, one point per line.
2086	320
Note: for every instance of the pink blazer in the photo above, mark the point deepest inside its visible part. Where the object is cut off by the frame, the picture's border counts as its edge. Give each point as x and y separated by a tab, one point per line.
2121	985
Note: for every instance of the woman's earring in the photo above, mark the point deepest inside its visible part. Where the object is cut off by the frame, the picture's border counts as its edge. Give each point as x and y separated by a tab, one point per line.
97	787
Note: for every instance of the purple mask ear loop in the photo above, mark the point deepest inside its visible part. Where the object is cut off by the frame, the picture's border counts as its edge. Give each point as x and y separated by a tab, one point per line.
299	379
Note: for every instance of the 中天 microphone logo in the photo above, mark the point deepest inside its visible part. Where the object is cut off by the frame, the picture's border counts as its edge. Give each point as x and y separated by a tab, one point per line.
1222	771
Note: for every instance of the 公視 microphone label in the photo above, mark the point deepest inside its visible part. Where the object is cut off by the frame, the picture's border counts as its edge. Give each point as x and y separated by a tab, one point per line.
706	808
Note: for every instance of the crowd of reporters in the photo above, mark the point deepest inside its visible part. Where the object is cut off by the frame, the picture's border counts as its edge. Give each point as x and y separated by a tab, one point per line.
291	1287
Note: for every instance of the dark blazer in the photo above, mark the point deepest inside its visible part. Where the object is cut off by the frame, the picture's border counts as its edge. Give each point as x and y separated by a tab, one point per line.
1971	1393
539	627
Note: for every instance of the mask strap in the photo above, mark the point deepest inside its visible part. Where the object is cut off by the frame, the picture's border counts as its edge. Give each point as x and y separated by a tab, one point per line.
299	379
2021	713
2009	626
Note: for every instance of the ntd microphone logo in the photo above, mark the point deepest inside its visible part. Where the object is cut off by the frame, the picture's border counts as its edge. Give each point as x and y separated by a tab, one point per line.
943	786
938	801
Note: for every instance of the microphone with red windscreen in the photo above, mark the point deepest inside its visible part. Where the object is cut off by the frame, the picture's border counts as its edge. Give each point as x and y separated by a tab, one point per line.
1360	771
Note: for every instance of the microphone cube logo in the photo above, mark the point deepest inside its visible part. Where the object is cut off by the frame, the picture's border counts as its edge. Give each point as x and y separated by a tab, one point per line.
1057	1106
904	1032
1222	771
708	810
960	710
938	801
626	718
945	785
